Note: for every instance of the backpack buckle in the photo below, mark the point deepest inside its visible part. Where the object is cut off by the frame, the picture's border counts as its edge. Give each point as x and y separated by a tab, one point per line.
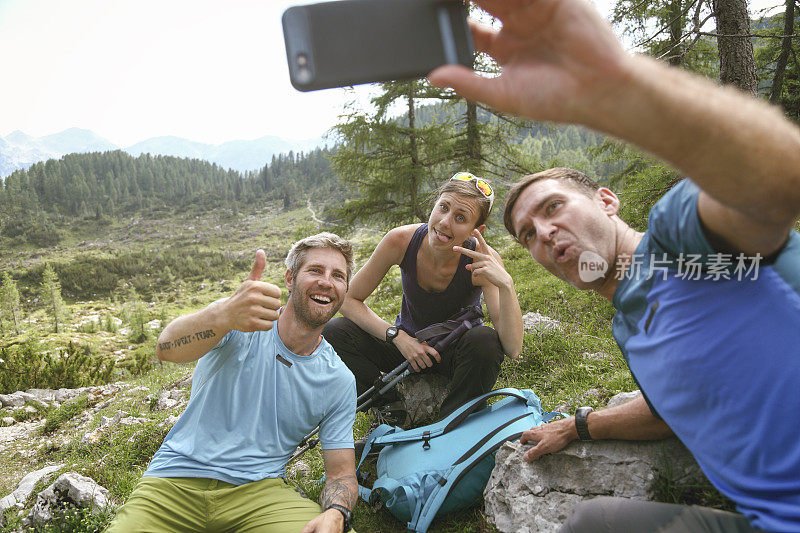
426	440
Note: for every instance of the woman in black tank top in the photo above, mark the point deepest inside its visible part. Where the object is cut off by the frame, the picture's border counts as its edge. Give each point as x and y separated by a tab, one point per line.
446	265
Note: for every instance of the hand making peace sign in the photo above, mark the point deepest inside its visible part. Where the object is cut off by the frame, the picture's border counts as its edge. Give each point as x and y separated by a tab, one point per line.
487	267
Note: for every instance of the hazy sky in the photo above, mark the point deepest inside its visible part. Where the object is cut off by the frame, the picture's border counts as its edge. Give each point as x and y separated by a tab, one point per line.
210	71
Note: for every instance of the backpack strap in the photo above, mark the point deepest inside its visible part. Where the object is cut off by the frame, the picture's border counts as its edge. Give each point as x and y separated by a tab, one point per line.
378	432
442	334
458	416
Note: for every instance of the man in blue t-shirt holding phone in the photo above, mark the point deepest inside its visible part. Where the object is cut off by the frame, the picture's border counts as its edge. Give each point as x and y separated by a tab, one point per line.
708	298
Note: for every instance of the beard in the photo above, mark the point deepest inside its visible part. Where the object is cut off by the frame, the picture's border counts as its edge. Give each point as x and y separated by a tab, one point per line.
310	315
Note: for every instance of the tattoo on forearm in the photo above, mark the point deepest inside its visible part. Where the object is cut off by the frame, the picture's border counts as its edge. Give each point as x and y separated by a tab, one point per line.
342	491
181	341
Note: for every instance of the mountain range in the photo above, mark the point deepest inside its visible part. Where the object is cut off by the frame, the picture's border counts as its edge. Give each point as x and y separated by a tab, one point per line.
19	150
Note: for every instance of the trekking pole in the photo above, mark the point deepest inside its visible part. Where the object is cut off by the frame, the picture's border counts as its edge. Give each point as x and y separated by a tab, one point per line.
382	386
385	382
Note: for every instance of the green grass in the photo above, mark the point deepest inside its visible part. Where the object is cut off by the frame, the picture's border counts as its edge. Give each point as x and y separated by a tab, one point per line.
57	417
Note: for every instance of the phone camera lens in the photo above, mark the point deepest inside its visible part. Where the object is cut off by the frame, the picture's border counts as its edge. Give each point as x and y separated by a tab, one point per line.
303	69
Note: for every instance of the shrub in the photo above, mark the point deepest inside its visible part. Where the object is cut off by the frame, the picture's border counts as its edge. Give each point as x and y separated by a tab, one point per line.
140	362
66	412
24	367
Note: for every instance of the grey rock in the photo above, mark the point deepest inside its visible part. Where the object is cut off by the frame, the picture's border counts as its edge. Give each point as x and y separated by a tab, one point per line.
537	496
106	423
43	395
65	395
169	421
183	383
70	488
9	420
597	356
16	399
177	394
25	487
132	421
533	321
593	394
298	469
422	395
623	397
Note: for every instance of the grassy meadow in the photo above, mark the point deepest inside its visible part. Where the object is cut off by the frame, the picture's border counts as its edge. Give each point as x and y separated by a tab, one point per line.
198	257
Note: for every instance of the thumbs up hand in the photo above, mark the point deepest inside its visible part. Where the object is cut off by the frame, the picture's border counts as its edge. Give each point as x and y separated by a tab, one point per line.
254	306
258	266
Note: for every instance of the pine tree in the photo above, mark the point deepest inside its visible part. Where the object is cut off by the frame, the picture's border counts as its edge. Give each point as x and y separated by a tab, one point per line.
9	300
51	296
393	162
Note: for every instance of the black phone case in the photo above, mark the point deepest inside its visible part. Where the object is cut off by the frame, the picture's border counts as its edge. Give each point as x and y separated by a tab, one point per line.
348	42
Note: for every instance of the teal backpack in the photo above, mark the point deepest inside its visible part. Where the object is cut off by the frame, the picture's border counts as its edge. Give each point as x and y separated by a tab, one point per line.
444	467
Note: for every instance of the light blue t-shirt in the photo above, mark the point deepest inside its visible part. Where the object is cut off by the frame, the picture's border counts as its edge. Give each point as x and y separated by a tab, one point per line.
252	402
718	358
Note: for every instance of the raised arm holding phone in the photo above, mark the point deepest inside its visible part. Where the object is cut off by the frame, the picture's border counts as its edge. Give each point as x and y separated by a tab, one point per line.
716	356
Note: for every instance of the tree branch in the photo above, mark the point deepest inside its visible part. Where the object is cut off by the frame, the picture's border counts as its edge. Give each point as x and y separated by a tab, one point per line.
666	26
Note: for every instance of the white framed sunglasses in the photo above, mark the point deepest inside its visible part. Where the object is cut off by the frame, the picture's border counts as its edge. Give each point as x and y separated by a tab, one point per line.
481	184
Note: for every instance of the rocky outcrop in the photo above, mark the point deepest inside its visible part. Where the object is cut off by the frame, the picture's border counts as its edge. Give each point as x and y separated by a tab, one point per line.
422	395
532	322
25	487
525	497
70	489
107	423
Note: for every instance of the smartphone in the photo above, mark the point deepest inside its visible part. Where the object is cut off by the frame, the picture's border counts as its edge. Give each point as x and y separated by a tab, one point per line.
348	42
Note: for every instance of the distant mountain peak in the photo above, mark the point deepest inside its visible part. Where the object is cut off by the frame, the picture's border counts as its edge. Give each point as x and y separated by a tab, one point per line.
18	137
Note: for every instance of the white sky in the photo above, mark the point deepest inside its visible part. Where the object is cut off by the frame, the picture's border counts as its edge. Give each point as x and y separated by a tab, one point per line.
210	71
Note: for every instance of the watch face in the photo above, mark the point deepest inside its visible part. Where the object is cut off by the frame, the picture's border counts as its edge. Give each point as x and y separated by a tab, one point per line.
391	332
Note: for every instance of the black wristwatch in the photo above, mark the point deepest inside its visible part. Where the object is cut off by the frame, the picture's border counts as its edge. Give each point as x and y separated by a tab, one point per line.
391	333
580	422
347	513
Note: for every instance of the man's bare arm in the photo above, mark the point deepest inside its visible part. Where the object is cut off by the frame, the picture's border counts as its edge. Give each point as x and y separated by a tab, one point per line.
254	306
561	61
629	421
341	488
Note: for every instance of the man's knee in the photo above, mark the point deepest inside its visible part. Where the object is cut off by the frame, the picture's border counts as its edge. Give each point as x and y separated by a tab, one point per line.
588	516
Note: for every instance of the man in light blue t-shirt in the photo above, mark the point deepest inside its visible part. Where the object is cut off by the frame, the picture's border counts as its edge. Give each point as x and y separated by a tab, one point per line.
264	379
707	299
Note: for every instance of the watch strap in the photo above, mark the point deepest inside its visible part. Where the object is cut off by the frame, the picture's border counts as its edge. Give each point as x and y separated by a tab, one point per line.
581	424
346	513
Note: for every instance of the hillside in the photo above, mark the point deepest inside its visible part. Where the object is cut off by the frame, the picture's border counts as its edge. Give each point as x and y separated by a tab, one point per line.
110	433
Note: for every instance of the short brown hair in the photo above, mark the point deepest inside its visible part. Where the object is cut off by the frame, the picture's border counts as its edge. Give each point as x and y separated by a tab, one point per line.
297	254
467	189
576	179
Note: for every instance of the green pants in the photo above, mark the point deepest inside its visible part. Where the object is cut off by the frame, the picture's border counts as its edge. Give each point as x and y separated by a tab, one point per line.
200	504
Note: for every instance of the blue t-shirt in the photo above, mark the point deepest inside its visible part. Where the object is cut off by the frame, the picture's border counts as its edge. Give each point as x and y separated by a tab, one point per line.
719	359
252	402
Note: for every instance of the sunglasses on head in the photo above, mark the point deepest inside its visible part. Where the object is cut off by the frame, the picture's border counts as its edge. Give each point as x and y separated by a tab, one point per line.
482	185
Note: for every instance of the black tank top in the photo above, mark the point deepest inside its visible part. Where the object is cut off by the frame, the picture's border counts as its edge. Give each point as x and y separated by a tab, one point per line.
421	308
